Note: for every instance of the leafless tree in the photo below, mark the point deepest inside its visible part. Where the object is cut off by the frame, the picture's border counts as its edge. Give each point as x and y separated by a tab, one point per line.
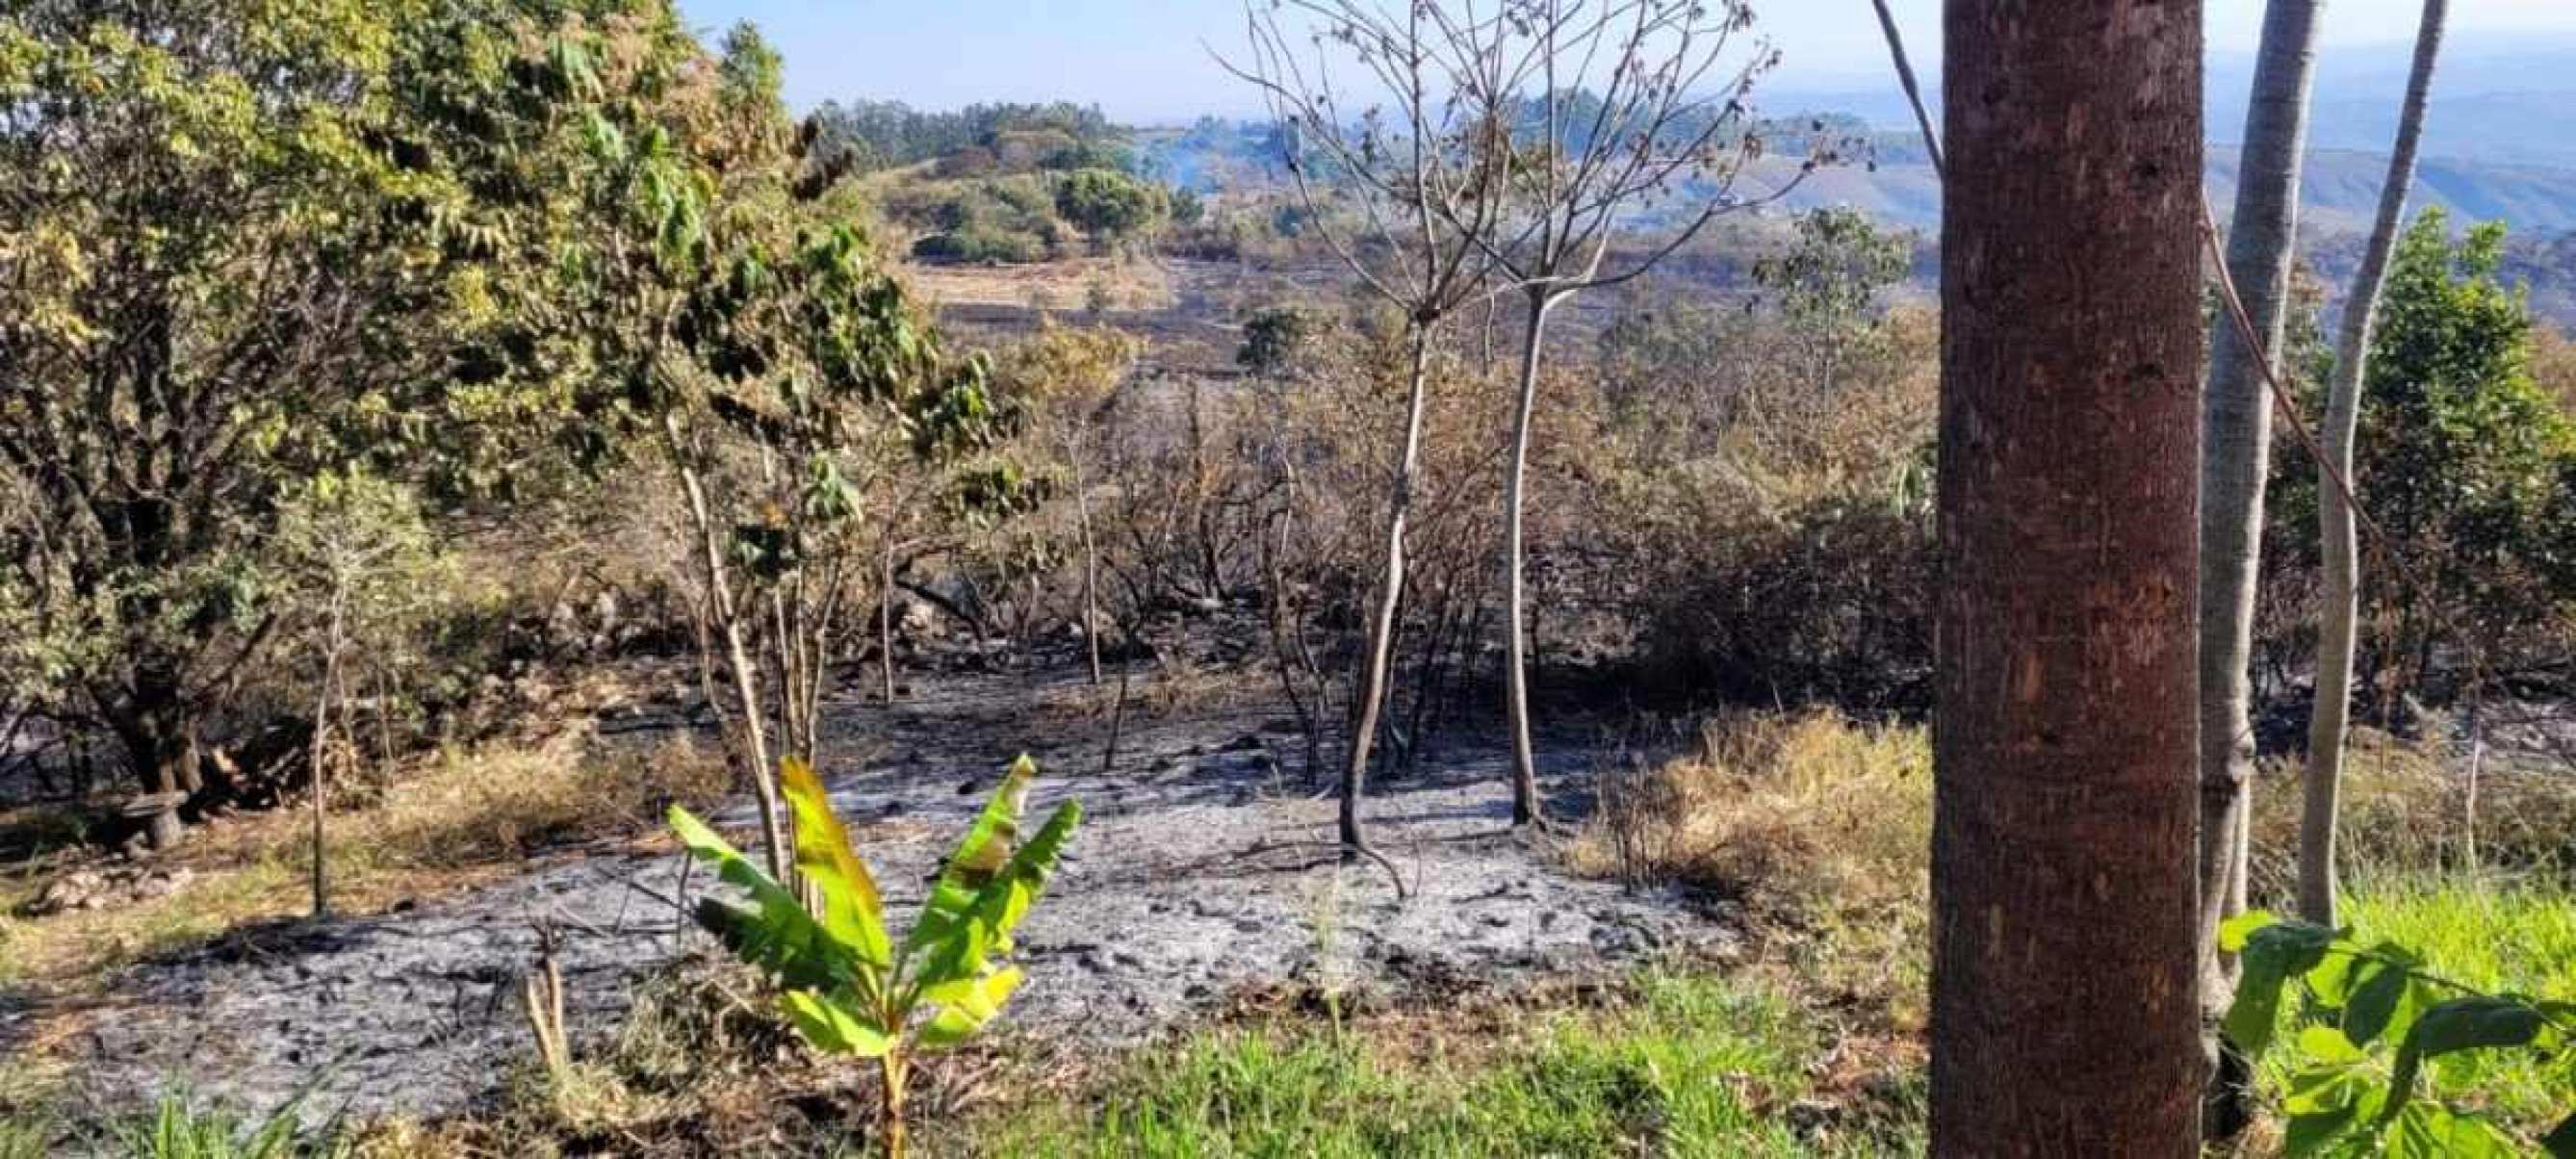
1620	121
1411	167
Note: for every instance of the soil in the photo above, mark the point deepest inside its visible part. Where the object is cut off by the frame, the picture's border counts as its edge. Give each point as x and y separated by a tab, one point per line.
1205	871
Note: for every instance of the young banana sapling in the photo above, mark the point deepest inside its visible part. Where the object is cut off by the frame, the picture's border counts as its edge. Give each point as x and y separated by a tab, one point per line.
847	985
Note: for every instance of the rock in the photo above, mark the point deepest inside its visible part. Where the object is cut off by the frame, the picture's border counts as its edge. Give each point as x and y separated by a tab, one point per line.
162	884
88	889
914	617
78	890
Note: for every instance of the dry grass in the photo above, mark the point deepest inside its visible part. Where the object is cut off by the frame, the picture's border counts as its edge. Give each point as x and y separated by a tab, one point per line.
1819	826
2406	810
1065	286
463	817
702	1065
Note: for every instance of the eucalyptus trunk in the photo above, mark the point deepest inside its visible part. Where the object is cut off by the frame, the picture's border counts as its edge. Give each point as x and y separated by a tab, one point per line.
2236	440
1381	638
2337	619
1525	800
2065	1007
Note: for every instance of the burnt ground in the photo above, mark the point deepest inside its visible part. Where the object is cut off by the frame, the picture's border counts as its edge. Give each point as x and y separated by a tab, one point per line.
1204	872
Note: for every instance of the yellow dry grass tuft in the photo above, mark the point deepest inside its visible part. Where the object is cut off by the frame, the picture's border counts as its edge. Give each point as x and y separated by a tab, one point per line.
1819	826
2408	809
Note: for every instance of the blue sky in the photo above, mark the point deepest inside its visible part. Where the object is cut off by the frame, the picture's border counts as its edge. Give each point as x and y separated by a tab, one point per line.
1147	60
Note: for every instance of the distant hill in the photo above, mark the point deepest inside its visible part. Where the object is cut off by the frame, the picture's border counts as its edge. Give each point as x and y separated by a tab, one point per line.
2340	190
2500	143
2508	100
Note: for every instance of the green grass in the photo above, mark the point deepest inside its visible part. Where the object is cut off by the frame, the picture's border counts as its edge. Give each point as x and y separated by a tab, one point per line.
2496	935
1687	1065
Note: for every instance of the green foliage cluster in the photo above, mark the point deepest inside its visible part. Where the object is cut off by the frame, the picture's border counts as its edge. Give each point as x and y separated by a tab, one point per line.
1026	216
2465	463
469	250
250	246
1274	336
1109	205
2369	1023
849	987
1000	220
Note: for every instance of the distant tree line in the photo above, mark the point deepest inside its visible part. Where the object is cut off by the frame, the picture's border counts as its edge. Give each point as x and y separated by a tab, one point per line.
875	135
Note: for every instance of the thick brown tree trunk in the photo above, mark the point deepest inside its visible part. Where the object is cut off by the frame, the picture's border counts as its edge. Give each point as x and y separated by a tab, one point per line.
2064	1000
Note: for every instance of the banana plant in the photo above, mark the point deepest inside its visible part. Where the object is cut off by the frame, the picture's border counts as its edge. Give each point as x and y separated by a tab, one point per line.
847	986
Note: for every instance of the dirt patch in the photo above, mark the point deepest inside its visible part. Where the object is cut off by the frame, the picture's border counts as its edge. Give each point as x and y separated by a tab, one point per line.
1204	871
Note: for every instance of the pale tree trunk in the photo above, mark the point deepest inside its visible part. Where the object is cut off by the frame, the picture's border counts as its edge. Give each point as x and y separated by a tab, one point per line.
885	616
1090	563
2236	438
1381	638
746	679
1913	91
1525	801
321	749
2331	716
2065	1012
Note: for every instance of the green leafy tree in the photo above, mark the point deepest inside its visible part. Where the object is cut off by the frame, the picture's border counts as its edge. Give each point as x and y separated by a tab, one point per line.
757	339
1109	205
1827	286
361	561
2465	464
244	245
1273	338
849	987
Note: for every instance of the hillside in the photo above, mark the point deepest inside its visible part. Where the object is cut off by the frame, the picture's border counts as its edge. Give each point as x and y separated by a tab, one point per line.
2341	189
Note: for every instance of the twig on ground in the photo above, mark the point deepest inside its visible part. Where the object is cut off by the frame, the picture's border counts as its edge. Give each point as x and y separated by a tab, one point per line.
1394	875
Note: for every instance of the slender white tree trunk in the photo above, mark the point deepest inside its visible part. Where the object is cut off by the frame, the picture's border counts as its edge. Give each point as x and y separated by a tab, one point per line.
321	748
1090	563
746	679
2236	436
1381	638
1525	802
2331	718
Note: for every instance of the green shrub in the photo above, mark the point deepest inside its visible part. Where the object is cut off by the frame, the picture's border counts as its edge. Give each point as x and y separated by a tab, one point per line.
2371	1019
981	245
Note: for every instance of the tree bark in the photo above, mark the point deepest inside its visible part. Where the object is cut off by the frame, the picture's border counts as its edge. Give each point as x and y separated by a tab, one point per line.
1525	802
152	721
2065	1013
2331	717
2236	441
1381	639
